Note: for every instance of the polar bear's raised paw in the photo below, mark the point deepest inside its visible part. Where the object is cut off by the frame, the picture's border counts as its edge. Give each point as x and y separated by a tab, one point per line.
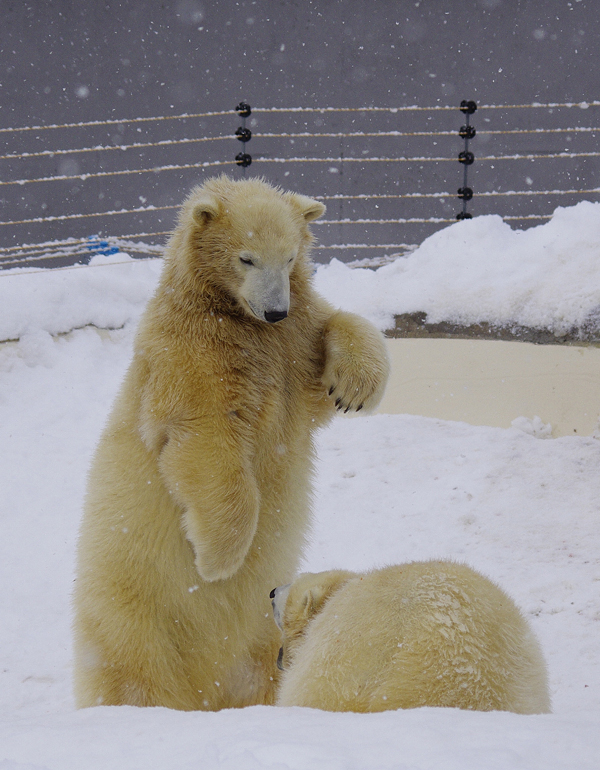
356	363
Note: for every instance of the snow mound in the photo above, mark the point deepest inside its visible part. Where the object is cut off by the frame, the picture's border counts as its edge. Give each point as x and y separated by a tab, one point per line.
107	293
481	270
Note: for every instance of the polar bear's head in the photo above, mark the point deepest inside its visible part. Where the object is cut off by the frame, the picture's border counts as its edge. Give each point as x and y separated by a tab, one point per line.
250	237
296	604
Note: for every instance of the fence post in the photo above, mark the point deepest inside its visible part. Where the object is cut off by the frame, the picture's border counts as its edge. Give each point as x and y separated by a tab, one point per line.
244	135
466	157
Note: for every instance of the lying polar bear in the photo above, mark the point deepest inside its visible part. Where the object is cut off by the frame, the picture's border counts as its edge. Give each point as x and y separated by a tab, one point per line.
421	634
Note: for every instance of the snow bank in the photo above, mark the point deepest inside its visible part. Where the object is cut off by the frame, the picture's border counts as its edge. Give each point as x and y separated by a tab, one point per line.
107	293
480	270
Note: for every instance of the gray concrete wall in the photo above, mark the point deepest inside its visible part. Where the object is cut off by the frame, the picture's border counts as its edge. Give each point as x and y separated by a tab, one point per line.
68	62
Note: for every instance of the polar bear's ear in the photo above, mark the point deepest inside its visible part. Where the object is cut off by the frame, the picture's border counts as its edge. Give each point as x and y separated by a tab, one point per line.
205	209
309	208
316	596
313	600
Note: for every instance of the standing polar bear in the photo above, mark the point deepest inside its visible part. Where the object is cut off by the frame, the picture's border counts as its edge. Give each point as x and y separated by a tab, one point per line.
411	635
199	494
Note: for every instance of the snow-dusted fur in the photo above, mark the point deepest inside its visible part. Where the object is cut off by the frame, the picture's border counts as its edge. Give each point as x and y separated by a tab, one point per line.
198	496
420	634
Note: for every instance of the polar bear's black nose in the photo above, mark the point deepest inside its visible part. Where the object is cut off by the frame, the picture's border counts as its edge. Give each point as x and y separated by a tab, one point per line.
272	316
272	594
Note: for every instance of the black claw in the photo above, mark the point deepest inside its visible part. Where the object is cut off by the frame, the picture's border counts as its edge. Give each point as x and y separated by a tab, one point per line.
338	402
358	408
346	410
331	389
341	406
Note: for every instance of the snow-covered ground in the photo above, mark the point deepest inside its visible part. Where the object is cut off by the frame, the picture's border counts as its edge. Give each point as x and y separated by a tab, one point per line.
524	510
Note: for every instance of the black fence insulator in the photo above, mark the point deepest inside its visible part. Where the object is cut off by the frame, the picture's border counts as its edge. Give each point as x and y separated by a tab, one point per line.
244	135
467	132
466	157
468	107
243	110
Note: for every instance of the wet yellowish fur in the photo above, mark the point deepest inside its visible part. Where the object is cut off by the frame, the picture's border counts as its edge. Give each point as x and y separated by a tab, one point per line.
411	635
199	494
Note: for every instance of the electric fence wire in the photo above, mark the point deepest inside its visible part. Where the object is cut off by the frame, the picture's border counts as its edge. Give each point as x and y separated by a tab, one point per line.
75	247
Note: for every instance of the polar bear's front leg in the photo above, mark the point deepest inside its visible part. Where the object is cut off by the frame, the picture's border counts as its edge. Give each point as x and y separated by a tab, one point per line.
216	488
356	362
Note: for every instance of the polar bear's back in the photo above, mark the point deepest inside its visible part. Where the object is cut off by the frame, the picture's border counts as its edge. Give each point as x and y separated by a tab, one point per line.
420	634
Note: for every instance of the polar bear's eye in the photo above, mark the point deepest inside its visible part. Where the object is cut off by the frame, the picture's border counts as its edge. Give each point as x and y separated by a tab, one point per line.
246	261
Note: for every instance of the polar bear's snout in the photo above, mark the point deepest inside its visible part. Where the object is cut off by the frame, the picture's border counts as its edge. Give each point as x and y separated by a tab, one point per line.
279	597
267	292
272	297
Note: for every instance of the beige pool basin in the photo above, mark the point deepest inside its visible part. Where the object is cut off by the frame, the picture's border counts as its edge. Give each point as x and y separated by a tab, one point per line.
492	382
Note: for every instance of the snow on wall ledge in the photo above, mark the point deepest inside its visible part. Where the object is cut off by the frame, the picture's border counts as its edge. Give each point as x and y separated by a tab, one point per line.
472	272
